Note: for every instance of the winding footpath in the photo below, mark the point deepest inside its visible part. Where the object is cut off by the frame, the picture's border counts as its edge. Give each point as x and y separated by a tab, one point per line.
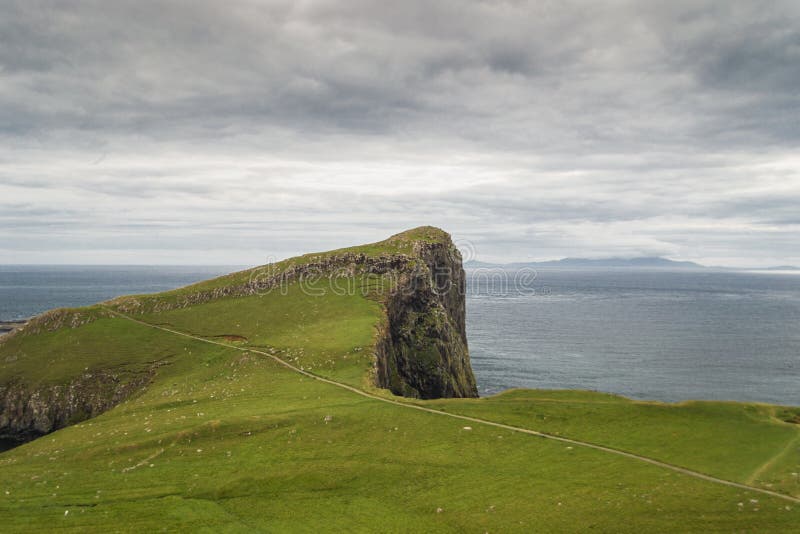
645	459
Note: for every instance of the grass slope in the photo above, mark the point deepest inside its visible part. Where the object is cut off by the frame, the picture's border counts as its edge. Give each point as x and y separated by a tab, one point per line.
51	357
729	440
229	440
331	335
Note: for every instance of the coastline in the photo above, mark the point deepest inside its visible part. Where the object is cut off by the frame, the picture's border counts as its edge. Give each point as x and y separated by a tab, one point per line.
7	327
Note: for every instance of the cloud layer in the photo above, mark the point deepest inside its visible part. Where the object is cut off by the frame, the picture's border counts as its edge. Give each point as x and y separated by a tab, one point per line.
211	132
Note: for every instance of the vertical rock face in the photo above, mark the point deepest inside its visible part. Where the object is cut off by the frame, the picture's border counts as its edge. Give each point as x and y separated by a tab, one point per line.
29	412
422	350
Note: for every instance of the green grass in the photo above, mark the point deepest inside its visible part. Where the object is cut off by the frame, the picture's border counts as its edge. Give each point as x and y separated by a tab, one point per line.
331	335
725	439
50	357
225	439
237	443
729	440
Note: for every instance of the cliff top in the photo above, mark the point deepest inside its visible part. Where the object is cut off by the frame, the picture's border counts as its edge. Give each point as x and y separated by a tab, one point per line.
398	244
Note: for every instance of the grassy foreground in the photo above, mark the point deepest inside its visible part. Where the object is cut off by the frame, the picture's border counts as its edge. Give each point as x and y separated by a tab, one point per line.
226	439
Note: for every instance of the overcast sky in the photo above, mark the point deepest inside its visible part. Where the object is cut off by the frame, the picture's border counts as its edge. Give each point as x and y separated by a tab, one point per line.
232	132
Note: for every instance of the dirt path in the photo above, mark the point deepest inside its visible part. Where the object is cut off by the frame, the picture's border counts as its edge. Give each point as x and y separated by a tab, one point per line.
512	428
772	461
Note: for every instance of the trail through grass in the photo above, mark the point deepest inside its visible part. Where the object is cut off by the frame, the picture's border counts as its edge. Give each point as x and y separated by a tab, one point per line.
405	404
262	417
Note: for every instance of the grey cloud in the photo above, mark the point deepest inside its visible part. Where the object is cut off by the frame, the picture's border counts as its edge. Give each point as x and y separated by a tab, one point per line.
525	126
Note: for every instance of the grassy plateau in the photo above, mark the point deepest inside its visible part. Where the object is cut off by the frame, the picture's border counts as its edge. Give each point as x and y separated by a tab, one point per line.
226	438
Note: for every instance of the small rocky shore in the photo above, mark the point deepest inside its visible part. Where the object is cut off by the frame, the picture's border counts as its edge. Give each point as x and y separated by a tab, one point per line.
6	327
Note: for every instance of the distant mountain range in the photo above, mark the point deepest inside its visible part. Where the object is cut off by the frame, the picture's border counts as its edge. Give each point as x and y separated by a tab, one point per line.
633	263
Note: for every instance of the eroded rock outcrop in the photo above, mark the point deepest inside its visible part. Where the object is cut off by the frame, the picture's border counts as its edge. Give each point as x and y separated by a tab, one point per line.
30	411
422	349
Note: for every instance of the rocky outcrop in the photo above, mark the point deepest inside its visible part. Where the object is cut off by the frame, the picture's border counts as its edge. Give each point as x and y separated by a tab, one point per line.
32	411
263	280
422	348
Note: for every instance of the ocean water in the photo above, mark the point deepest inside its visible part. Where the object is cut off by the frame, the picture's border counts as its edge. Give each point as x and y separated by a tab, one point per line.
658	335
644	334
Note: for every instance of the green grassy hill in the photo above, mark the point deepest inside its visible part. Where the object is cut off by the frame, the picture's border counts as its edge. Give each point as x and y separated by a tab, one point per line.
243	411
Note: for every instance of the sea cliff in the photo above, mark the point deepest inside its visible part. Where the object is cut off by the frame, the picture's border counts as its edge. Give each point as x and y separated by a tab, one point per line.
420	347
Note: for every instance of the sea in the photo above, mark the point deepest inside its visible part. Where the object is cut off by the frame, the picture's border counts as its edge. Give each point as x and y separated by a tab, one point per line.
645	334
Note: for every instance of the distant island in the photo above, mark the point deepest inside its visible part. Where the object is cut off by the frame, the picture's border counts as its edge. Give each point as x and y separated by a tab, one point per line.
644	262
